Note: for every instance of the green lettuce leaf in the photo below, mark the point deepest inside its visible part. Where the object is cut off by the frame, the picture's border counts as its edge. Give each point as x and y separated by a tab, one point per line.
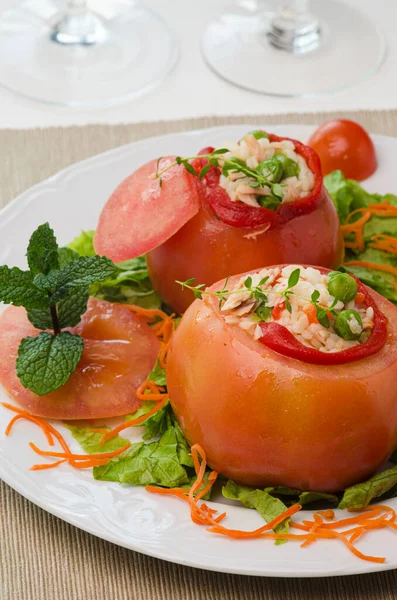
129	284
90	440
156	463
309	497
362	494
267	506
83	244
155	425
348	195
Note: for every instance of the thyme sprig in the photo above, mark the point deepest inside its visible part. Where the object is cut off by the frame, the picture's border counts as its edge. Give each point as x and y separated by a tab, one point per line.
212	158
257	292
260	177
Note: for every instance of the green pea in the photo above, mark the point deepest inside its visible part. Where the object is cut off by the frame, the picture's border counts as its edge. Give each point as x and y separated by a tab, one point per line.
270	202
333	274
343	326
264	312
258	134
290	167
343	287
270	169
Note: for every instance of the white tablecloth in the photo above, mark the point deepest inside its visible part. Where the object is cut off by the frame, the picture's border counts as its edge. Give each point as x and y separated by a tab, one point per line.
192	90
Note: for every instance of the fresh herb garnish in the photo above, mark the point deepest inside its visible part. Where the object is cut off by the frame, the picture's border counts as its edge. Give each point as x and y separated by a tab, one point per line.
268	174
128	284
211	157
54	292
259	294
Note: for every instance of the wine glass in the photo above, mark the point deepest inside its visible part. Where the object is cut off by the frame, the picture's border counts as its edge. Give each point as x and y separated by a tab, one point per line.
83	57
280	48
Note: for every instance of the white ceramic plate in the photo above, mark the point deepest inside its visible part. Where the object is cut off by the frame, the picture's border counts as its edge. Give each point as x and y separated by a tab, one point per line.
126	515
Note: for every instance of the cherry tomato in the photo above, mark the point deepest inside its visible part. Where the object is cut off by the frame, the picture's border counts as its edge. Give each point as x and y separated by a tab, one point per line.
264	419
345	145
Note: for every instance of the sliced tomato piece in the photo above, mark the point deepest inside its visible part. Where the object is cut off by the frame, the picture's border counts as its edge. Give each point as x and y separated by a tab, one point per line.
119	352
140	215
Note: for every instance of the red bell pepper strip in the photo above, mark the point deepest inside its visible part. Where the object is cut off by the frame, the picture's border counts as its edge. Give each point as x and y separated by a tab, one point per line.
238	214
281	340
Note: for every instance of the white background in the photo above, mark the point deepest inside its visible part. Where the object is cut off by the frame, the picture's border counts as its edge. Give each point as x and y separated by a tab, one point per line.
192	90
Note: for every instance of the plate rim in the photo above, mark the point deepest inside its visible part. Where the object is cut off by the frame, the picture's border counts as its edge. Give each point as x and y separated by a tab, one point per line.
28	196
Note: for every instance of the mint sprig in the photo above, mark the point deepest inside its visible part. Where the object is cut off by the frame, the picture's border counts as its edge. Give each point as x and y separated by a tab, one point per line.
46	362
55	293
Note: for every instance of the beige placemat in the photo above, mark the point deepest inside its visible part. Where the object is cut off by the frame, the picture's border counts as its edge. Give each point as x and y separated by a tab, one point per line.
43	558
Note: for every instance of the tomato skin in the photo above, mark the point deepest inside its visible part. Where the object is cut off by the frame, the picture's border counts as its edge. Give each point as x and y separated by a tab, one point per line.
345	145
267	420
210	250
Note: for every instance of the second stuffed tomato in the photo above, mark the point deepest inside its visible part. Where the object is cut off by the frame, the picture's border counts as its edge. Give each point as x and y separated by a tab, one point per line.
295	390
264	203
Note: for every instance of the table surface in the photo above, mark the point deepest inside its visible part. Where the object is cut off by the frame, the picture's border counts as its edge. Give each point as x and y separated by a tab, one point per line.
192	90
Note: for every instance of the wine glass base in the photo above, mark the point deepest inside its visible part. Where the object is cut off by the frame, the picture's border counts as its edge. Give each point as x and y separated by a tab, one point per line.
237	47
133	53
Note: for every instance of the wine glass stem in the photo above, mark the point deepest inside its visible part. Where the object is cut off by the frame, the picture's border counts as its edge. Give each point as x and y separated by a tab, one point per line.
79	26
294	28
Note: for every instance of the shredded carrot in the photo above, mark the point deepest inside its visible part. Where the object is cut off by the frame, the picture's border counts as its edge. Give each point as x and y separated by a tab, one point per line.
27	417
387	243
372	265
75	460
328	514
156	393
48	465
150	314
357	229
310	311
366	519
131	423
79	456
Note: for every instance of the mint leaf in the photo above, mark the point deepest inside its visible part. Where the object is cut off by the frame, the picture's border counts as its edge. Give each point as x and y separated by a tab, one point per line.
91	440
81	272
65	256
46	362
266	505
40	318
156	463
83	244
70	310
72	307
362	494
16	287
47	283
42	253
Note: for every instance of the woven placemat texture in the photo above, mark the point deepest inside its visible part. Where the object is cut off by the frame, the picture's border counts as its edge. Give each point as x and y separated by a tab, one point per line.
43	558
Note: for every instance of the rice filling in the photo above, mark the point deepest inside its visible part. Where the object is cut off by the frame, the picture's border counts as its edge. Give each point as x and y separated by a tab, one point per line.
348	319
256	154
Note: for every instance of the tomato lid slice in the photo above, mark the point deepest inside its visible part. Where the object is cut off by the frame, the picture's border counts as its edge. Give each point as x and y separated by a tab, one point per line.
120	350
140	215
281	340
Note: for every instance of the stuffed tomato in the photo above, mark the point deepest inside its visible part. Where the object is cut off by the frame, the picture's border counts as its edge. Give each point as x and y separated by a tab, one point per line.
286	376
258	202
